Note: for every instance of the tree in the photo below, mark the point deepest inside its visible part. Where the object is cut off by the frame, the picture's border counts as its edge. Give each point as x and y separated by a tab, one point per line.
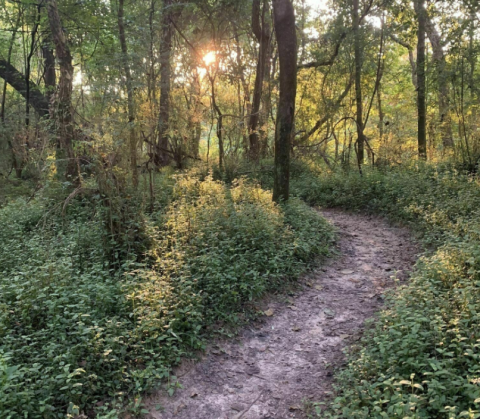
443	92
261	29
358	82
18	81
162	156
130	100
285	32
421	104
63	99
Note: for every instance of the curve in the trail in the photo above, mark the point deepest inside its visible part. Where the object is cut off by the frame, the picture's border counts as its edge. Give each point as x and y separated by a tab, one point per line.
277	366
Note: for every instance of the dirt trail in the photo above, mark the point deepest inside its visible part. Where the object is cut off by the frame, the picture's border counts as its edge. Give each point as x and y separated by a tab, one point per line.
287	358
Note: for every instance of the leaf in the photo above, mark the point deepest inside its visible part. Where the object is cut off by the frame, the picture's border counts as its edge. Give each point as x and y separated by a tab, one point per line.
329	313
269	312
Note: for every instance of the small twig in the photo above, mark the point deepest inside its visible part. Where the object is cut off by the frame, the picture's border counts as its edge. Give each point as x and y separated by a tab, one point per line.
249	407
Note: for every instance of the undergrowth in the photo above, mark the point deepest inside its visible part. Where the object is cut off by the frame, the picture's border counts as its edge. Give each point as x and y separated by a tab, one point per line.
420	357
100	298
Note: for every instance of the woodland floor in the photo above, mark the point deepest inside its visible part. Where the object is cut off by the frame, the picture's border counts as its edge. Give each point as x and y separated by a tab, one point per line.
279	364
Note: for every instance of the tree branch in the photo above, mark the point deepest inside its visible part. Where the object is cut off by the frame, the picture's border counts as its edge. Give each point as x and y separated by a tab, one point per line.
17	80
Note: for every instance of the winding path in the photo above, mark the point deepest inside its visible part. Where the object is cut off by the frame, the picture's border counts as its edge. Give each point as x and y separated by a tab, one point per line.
280	363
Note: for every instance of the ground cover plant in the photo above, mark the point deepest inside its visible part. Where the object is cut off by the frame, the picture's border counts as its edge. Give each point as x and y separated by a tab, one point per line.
88	319
419	358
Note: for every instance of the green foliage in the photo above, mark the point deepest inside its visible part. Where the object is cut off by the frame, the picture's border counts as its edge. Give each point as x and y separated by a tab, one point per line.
79	333
420	358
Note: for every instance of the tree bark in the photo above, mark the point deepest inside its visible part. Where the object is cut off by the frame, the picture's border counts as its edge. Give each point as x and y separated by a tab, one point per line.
438	56
130	99
247	105
196	115
17	80
358	85
421	99
49	75
17	167
261	30
266	103
380	112
28	63
218	111
284	21
63	100
162	157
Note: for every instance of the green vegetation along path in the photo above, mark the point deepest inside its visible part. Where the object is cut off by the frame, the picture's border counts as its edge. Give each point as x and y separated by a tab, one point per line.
283	362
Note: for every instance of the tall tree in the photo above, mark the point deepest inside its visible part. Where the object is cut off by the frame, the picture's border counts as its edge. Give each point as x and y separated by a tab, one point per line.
358	82
49	75
162	156
130	99
63	100
421	99
443	91
285	32
261	30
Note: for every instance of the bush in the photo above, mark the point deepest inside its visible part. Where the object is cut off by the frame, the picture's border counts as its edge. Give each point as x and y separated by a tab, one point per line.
80	333
420	358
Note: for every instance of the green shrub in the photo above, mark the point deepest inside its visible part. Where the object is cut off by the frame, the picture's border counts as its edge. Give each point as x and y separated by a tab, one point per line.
80	333
420	358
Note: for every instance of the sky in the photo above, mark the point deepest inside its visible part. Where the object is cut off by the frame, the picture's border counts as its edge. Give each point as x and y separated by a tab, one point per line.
317	4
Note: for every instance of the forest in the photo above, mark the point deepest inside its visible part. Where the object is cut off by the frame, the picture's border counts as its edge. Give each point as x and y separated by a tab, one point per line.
218	209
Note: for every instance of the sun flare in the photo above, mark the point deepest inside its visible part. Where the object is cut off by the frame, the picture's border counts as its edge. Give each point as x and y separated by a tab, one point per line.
209	58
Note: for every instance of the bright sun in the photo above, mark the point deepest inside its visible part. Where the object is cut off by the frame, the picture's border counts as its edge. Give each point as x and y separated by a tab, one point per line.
209	58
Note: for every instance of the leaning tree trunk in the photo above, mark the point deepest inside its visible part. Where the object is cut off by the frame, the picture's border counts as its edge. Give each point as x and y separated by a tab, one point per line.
17	80
130	100
284	21
358	86
421	100
63	101
261	30
162	156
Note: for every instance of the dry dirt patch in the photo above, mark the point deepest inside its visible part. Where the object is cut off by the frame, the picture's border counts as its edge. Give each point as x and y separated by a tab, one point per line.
275	365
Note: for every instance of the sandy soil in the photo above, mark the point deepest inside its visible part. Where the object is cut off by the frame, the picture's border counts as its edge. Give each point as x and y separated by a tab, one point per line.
280	363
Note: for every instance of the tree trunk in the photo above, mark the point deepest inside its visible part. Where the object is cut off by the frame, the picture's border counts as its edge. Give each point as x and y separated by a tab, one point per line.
284	21
17	80
152	79
421	99
266	103
130	100
28	63
247	105
49	75
218	111
380	112
63	102
15	165
261	30
197	122
162	157
438	56
358	86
